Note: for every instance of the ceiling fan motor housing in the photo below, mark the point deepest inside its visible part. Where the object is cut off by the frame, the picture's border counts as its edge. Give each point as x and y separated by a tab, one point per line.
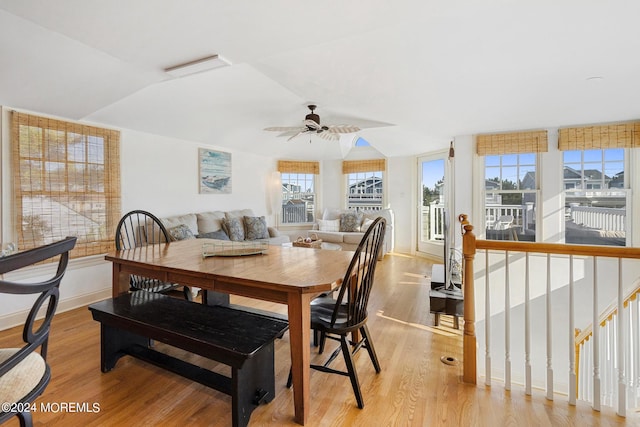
314	117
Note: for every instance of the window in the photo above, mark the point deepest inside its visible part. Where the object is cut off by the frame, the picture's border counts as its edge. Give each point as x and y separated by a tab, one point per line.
67	183
364	184
594	161
510	196
595	197
511	183
298	191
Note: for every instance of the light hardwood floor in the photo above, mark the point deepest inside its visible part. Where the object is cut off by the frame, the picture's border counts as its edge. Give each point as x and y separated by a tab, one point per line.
414	388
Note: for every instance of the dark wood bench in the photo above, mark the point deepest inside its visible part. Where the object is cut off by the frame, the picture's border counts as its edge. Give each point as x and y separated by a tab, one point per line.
240	339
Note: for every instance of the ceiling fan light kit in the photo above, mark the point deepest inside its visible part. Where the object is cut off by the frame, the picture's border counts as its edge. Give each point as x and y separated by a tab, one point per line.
311	125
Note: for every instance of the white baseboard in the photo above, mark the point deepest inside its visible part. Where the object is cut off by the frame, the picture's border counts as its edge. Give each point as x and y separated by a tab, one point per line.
18	318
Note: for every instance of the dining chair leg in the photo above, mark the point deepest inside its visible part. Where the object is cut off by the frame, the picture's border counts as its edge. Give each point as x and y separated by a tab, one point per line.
323	340
351	369
290	378
370	349
25	419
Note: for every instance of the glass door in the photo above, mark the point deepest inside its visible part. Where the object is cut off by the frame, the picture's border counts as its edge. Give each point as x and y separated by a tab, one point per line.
432	207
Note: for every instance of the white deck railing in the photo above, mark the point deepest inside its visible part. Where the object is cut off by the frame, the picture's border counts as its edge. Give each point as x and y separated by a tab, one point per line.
522	290
608	219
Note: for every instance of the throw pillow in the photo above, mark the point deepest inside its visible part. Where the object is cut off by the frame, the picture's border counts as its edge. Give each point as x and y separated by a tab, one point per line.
234	228
255	227
350	221
219	235
180	232
366	224
329	224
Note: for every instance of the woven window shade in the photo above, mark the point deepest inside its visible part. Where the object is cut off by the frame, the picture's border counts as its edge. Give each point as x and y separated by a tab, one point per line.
512	143
354	166
290	166
66	183
624	135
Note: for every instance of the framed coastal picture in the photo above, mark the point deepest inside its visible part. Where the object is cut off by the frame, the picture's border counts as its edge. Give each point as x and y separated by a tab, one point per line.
214	172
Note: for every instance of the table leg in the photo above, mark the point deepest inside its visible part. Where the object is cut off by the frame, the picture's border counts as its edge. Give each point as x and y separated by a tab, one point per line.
119	281
299	337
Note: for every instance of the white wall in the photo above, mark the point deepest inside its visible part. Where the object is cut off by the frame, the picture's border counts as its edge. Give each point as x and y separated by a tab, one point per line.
401	195
160	174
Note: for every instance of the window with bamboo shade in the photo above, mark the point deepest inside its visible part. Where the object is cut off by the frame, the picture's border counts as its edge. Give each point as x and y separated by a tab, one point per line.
298	180
512	143
510	183
66	183
621	135
365	183
596	193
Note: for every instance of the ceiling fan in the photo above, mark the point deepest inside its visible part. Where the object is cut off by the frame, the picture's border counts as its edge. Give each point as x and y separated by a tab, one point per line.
311	125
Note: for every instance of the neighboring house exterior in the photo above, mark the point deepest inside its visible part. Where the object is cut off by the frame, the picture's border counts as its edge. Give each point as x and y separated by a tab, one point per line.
365	193
592	179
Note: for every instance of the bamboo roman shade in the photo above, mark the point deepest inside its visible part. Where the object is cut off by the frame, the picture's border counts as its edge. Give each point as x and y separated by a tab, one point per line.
512	143
66	183
291	166
354	166
623	135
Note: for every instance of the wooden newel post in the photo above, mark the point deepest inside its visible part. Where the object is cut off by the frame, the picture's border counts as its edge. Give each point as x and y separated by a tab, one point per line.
469	374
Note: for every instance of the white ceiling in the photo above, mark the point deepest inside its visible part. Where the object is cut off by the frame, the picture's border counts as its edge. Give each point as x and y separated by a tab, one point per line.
429	70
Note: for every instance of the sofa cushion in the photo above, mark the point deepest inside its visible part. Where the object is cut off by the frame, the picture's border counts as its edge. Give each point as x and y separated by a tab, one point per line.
255	227
218	235
189	220
234	227
209	221
239	213
329	236
332	213
350	221
180	232
329	224
366	224
384	213
352	238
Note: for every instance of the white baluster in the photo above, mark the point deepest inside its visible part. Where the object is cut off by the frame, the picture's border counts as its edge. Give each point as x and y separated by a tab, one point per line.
620	347
596	338
636	349
527	329
487	323
507	325
549	333
572	348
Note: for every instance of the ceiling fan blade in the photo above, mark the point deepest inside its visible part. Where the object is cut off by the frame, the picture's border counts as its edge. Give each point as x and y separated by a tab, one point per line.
343	129
329	136
311	124
297	134
283	128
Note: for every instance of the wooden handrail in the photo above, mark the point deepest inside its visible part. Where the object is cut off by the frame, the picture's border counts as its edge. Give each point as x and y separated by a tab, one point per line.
559	249
608	313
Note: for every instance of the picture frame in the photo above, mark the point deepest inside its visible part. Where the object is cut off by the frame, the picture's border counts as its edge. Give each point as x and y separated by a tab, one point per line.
214	172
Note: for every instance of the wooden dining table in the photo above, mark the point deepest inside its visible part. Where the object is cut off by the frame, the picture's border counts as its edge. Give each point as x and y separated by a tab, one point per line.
287	275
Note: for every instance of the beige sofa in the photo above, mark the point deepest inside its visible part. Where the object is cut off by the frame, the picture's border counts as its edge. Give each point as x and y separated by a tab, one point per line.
325	229
209	224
